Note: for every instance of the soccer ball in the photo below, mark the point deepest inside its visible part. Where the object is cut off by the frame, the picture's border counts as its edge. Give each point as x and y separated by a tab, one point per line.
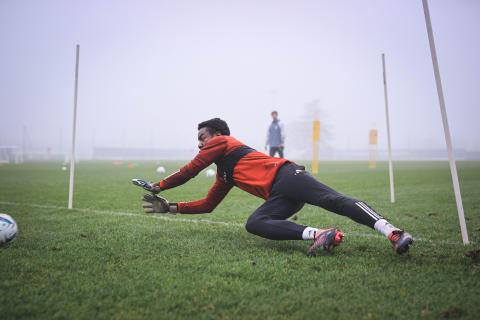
210	173
8	229
161	169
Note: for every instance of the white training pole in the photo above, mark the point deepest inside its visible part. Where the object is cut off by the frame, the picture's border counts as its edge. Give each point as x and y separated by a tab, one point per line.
72	155
390	165
448	139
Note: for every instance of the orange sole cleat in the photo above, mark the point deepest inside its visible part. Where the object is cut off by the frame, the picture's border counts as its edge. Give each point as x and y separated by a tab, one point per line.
401	241
328	239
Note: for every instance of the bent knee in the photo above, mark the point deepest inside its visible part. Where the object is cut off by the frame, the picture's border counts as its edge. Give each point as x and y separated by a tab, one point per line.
250	225
253	224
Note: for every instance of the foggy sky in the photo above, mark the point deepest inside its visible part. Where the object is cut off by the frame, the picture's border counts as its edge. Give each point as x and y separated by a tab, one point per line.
151	70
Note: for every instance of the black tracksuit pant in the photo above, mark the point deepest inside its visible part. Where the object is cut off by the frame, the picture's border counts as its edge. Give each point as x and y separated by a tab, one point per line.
292	188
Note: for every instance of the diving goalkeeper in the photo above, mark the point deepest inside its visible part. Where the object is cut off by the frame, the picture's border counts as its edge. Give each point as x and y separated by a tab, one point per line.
284	185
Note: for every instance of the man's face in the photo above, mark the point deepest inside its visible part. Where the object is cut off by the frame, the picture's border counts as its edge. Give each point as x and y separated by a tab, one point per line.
204	136
274	115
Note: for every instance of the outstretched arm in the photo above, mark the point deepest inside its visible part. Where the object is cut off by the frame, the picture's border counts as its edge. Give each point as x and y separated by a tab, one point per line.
214	149
155	204
215	195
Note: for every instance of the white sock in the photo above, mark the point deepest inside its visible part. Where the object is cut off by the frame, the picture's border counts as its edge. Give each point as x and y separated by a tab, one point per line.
309	233
384	227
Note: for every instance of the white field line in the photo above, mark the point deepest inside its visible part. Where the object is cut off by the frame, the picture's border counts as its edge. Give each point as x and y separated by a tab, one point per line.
173	218
165	217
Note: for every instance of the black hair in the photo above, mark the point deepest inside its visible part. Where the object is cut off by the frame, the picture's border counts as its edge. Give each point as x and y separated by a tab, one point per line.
215	125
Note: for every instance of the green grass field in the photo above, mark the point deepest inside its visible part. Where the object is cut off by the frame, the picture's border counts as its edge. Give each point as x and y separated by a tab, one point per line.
106	259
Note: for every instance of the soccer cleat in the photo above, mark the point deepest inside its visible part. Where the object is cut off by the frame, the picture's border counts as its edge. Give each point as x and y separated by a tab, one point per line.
400	240
327	239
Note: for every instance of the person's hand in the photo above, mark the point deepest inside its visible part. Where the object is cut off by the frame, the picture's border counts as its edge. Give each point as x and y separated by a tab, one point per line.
155	204
147	185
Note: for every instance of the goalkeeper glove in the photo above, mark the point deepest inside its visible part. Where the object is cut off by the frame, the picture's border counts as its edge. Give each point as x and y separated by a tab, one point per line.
147	185
156	204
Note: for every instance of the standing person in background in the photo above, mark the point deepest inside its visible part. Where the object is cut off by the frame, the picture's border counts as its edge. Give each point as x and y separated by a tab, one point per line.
275	136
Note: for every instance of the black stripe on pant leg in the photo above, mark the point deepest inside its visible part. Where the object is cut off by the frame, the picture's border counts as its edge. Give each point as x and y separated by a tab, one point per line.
346	206
304	187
